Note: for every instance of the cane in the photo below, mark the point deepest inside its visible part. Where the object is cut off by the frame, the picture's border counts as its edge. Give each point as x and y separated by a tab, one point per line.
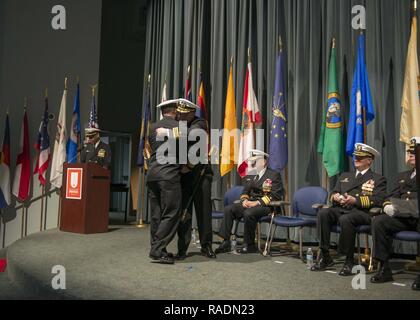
185	215
265	253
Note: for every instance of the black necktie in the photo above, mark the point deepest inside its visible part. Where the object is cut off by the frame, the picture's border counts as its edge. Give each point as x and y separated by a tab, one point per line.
359	175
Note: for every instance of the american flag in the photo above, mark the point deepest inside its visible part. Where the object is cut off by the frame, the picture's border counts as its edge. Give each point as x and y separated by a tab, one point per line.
93	116
43	147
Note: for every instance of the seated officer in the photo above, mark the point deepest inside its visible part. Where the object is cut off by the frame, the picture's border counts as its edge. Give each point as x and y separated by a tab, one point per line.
94	150
401	214
262	186
352	198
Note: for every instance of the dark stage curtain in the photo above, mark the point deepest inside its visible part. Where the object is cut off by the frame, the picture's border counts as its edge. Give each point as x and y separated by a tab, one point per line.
205	34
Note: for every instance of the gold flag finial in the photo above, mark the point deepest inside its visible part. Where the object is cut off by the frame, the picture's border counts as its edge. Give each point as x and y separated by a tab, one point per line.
78	79
333	43
65	83
149	79
415	5
280	44
231	60
189	70
94	87
249	54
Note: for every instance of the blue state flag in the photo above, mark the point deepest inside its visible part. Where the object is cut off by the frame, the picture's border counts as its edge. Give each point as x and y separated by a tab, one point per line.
362	110
74	141
278	137
144	134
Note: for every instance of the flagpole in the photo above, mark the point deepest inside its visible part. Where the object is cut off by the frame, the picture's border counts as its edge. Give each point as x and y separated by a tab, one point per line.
59	211
26	222
42	208
45	213
4	235
22	222
142	174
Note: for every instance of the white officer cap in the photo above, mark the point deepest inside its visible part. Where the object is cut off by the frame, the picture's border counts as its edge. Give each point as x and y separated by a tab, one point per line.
257	154
181	105
363	150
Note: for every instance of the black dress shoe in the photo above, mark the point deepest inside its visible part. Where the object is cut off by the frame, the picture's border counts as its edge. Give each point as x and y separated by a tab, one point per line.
163	259
346	270
208	252
416	284
224	247
169	254
180	256
248	249
324	263
383	275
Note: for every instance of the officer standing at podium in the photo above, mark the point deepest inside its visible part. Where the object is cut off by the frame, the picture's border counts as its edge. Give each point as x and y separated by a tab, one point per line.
94	150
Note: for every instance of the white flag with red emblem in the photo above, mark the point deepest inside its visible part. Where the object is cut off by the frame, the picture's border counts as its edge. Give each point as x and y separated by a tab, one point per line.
251	117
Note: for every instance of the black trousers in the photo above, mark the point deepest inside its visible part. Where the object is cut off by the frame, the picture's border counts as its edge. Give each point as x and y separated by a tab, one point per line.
165	200
203	207
349	220
251	217
383	229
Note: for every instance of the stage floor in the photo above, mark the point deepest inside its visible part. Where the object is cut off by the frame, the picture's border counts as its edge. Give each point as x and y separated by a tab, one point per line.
116	266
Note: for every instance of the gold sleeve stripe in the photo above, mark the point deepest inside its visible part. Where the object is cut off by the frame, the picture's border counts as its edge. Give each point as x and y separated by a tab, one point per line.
175	132
244	196
266	200
365	202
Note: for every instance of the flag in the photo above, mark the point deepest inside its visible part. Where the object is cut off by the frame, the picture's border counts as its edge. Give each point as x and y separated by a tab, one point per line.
188	92
22	177
331	140
164	97
43	147
5	195
93	124
201	102
278	136
229	147
59	155
74	141
250	118
410	117
144	148
164	92
362	111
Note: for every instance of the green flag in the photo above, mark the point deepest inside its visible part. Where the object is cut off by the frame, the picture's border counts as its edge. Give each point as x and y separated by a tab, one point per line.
331	141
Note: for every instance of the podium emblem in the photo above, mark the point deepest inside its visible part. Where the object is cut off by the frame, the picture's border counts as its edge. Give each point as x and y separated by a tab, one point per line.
74	183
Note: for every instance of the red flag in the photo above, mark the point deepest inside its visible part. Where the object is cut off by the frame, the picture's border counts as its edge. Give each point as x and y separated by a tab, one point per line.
188	93
251	117
201	102
23	164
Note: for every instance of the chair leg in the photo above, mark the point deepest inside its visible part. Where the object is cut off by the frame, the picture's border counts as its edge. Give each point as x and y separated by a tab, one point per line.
359	259
272	233
259	236
301	243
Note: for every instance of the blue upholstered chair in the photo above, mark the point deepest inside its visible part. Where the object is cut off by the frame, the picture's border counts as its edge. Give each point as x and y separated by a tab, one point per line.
304	215
410	236
362	229
230	198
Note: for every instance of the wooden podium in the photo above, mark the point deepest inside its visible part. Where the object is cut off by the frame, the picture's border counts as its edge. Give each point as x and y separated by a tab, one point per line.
85	199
